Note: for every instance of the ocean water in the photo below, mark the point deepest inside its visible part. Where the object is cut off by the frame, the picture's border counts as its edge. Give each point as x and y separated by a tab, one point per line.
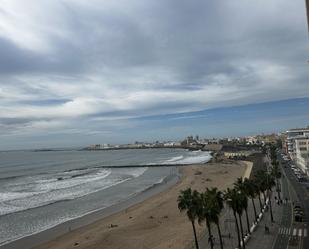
39	190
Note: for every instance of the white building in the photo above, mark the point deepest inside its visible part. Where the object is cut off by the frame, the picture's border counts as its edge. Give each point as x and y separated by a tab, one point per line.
252	140
291	136
302	153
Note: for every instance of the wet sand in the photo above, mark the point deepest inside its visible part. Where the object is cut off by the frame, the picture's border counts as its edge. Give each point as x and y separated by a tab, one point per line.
152	223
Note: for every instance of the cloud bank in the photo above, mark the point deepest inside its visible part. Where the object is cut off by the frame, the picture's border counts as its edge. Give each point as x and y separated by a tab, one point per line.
88	67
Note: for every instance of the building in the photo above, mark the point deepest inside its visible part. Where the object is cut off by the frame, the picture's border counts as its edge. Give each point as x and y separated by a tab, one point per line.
303	163
267	138
252	140
302	153
233	154
297	145
290	140
283	140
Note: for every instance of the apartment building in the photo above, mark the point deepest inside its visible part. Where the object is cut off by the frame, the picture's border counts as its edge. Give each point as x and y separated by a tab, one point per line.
302	153
293	134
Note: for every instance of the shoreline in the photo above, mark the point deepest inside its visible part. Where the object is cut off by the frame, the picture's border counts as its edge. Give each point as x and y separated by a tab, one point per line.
39	238
153	206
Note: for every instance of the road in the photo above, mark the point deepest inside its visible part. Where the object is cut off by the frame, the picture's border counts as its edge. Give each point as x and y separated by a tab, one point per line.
292	234
285	227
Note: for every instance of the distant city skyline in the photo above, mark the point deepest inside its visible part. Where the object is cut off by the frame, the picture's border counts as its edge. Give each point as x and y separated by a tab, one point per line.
246	120
73	73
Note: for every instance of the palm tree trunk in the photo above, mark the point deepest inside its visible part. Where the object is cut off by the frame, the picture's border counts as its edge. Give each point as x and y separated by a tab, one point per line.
247	219
195	237
237	229
264	198
210	235
261	205
278	190
254	209
220	236
242	232
271	210
278	193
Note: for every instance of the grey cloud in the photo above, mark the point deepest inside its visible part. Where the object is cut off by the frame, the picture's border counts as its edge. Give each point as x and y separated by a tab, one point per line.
106	51
16	121
15	60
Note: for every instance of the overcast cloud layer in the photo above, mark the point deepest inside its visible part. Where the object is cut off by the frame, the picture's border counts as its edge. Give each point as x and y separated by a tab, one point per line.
88	67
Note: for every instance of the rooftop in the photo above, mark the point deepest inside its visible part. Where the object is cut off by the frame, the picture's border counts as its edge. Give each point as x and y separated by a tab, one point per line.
298	129
301	137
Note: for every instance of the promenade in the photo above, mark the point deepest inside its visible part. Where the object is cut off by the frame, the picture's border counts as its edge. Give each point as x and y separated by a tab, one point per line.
258	237
283	232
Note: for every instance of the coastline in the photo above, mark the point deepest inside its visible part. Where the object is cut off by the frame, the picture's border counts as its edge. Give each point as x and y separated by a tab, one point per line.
34	240
159	200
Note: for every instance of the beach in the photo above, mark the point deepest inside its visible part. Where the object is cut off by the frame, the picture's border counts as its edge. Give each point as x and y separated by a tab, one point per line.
47	193
155	222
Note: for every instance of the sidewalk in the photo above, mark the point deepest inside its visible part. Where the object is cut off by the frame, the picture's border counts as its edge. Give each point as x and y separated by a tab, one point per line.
268	240
260	239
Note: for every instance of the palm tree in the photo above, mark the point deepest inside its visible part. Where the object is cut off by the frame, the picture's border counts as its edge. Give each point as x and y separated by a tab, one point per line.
188	201
264	149
258	192
273	153
230	197
216	207
261	180
270	182
276	173
266	182
206	212
241	204
251	191
242	188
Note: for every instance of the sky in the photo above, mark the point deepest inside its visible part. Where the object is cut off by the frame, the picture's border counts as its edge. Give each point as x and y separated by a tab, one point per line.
78	72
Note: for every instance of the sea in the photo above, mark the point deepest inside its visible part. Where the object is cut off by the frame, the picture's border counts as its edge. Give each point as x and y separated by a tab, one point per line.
42	189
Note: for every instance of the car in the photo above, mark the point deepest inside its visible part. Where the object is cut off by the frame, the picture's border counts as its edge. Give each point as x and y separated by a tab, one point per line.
298	218
298	213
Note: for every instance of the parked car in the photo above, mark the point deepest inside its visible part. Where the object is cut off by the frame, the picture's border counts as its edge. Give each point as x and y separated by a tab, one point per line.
298	213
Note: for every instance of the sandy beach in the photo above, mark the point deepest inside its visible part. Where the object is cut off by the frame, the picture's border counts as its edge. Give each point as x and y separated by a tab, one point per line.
155	222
